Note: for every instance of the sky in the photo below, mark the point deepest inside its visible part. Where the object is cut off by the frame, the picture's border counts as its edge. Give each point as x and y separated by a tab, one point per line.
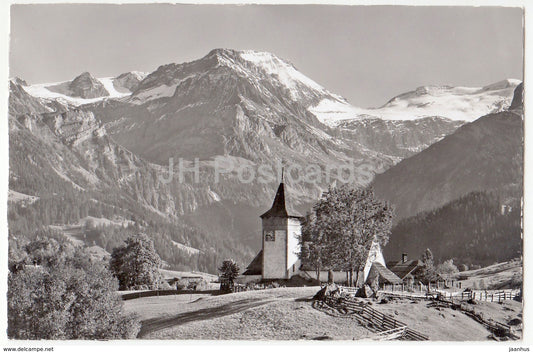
367	54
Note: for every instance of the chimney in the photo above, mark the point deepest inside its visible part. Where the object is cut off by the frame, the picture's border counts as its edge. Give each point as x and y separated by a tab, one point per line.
404	258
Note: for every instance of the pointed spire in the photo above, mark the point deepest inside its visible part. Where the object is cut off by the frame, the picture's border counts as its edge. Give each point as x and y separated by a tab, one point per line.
279	208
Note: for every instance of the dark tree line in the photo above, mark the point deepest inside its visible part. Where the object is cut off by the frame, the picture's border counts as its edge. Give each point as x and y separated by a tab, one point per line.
471	230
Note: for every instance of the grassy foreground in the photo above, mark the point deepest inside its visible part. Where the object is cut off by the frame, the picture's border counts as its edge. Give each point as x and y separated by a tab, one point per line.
287	314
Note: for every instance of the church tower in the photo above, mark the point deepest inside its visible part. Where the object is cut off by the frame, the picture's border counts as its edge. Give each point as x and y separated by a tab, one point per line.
281	227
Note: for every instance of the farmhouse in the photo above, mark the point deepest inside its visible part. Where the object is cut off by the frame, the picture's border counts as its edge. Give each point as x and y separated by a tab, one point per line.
278	258
407	270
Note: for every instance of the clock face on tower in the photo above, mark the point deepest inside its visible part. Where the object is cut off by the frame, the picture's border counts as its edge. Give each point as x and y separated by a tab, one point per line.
270	236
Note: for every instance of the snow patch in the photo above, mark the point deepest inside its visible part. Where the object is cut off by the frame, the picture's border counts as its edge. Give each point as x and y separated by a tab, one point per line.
41	91
286	73
162	91
110	87
454	103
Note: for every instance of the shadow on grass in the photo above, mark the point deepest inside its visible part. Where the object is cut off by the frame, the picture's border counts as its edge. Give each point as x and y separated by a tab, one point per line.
141	294
303	299
152	325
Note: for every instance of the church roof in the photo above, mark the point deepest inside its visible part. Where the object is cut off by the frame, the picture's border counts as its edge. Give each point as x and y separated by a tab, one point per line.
256	265
280	208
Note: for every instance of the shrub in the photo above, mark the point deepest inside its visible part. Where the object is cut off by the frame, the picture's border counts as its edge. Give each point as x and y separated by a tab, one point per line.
447	269
163	285
67	296
201	285
182	284
463	267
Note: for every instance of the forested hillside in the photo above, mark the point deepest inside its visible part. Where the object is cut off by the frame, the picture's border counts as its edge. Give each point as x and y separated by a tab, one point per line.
480	228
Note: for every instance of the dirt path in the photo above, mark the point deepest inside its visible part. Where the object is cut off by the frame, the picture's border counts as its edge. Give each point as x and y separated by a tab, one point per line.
151	325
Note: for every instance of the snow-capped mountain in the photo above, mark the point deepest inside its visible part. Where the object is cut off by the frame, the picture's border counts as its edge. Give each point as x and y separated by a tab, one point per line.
86	89
455	103
263	70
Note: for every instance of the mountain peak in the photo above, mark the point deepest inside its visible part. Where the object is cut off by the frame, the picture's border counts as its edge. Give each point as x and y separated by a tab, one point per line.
84	76
86	86
19	81
221	51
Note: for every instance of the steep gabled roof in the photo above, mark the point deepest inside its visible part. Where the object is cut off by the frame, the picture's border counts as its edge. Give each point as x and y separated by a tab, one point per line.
402	269
279	207
256	265
383	273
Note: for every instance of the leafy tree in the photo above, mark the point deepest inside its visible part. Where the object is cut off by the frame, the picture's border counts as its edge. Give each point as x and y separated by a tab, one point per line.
447	269
229	270
136	264
428	272
344	223
312	244
70	298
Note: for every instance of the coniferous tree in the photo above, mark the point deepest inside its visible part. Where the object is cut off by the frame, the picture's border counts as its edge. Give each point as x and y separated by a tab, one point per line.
229	270
428	272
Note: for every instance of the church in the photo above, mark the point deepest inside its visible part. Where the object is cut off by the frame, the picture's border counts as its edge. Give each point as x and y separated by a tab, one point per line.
278	259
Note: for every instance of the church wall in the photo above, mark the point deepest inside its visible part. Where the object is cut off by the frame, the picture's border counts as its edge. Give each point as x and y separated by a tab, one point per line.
374	255
245	279
274	252
294	229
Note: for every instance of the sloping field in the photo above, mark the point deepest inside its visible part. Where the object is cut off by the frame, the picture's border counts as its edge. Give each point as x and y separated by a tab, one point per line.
442	324
284	314
497	276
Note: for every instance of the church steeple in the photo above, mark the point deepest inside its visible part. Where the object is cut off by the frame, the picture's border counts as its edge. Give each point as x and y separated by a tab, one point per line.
281	230
279	208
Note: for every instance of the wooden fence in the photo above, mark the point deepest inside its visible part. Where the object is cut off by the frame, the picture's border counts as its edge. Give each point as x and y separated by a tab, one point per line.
376	320
490	296
419	287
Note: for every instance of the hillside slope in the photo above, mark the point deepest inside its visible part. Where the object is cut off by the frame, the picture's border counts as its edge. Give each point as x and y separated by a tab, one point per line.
483	155
479	228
